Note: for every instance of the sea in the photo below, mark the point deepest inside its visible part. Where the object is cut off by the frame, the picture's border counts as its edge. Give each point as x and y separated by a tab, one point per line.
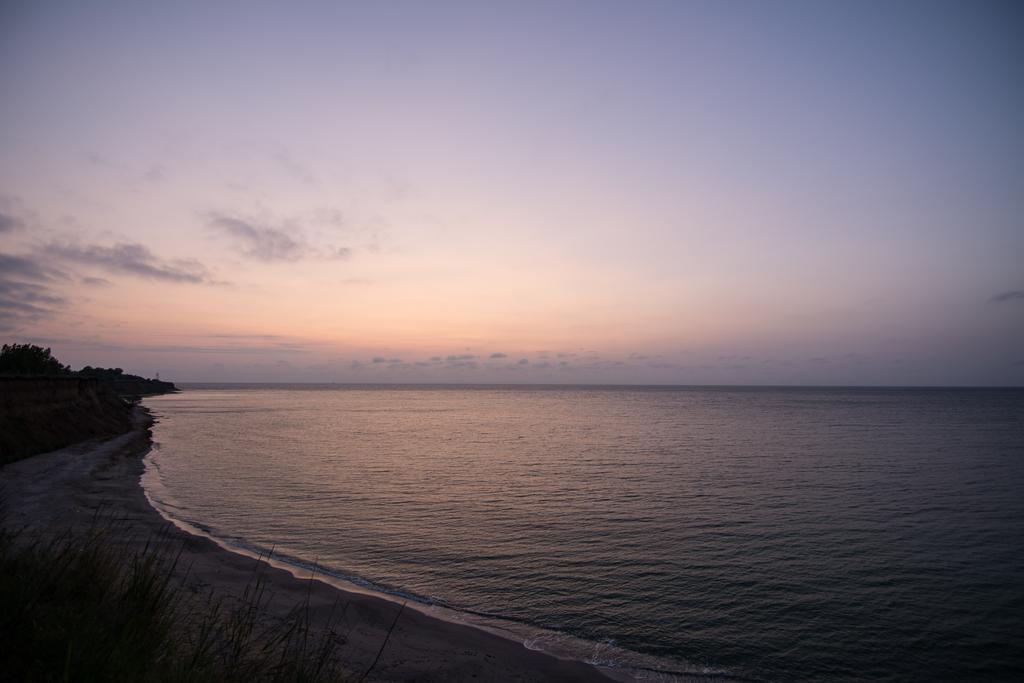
675	533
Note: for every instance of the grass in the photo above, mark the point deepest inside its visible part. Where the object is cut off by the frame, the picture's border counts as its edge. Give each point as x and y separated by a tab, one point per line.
74	608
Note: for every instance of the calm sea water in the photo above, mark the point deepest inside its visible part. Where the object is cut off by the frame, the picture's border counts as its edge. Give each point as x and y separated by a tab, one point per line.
772	534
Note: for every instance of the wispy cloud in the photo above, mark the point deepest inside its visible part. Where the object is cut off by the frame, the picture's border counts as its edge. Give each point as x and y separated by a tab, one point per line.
261	241
1008	296
239	349
296	170
130	259
498	354
225	349
25	291
257	241
27	297
155	173
27	267
8	223
247	336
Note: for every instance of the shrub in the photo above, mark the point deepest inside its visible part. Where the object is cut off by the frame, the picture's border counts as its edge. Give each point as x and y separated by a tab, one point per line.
74	608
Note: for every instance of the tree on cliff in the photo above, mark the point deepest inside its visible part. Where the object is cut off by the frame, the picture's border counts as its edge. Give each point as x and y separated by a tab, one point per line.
29	359
105	373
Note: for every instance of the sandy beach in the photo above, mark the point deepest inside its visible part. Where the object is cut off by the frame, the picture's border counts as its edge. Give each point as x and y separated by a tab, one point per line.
69	488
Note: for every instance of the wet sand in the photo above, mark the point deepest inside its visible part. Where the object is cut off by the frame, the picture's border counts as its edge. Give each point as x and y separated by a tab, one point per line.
69	488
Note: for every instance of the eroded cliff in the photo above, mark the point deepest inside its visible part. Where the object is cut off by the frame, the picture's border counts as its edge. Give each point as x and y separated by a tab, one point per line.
40	414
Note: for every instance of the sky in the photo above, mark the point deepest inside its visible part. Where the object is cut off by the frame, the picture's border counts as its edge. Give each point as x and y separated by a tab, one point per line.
555	192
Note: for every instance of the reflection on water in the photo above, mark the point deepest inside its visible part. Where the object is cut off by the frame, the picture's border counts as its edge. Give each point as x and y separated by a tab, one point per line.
785	534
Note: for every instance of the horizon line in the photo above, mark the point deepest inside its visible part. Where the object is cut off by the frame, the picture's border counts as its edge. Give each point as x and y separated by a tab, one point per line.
607	385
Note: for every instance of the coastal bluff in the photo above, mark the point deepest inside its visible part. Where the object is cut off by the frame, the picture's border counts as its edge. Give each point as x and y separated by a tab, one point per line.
40	414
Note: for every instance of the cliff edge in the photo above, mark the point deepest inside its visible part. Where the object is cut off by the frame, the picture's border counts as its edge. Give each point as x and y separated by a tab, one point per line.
40	414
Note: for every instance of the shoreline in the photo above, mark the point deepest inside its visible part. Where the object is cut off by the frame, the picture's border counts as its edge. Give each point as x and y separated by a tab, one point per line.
567	648
72	487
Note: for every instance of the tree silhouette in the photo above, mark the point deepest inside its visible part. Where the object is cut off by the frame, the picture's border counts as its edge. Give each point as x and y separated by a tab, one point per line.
105	373
29	359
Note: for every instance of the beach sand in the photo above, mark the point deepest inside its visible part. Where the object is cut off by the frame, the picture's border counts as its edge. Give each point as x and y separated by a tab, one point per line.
67	489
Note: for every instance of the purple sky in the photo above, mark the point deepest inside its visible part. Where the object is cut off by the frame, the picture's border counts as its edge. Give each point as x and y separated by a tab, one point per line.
620	192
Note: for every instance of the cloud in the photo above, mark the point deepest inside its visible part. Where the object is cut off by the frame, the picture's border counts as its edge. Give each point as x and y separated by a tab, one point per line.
293	168
154	174
523	361
251	344
233	349
27	297
25	293
262	242
460	357
259	242
1007	296
381	359
8	223
95	281
22	266
246	336
131	259
498	354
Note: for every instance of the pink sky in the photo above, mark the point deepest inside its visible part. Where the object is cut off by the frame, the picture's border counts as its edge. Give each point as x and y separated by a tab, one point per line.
655	193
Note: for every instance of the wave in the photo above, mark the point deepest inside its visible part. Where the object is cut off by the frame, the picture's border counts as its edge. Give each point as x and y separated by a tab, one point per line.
606	654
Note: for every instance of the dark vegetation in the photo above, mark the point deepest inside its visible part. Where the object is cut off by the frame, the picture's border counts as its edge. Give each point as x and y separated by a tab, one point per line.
44	405
74	608
105	373
29	360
